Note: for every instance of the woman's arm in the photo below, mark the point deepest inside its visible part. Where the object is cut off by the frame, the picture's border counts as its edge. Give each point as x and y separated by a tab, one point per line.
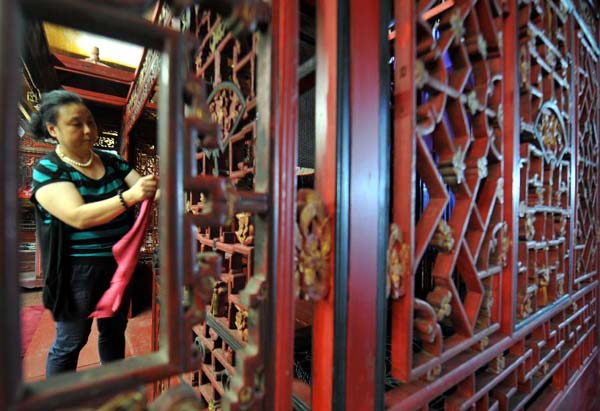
62	200
132	177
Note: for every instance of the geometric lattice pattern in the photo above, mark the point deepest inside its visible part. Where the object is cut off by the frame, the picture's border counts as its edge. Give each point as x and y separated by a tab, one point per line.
146	163
545	204
458	241
446	262
586	223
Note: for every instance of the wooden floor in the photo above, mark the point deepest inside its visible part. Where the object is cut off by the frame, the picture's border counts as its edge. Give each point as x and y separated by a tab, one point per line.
137	338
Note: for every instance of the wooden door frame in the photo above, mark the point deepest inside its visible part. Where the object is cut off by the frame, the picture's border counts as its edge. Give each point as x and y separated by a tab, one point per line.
353	177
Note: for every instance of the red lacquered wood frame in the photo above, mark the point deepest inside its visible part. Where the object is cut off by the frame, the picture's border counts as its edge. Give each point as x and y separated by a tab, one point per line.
366	238
284	136
326	110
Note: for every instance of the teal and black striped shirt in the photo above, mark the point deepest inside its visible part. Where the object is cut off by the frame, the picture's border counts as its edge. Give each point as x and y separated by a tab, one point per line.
95	241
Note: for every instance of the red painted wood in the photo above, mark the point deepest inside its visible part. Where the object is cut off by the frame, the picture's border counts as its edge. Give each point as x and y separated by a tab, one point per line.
404	170
364	210
511	169
584	393
325	183
415	395
437	10
284	126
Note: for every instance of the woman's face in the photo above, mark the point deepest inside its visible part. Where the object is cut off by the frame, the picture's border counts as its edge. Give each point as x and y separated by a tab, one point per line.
75	128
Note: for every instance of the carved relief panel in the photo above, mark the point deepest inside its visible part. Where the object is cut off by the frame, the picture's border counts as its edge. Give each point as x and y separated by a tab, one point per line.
225	65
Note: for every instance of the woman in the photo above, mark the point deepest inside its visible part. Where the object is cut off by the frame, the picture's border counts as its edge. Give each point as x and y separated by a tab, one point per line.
82	196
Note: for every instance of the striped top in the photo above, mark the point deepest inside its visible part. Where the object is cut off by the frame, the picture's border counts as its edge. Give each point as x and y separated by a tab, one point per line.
94	241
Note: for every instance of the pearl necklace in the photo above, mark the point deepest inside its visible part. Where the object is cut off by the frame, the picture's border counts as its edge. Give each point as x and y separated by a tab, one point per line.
66	159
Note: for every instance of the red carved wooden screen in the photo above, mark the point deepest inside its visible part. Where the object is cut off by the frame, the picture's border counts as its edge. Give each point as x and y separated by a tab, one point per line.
492	261
454	241
546	156
227	66
262	278
586	230
492	257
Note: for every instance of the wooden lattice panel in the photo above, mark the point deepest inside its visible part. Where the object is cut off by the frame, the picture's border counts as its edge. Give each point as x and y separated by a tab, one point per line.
458	247
588	12
525	367
552	351
545	203
227	66
586	223
146	163
30	151
218	366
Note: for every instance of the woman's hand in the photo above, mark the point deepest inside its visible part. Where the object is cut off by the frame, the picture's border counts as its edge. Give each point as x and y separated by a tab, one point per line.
144	188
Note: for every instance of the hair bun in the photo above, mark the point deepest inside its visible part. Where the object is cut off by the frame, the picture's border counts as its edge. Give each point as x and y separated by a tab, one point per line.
37	128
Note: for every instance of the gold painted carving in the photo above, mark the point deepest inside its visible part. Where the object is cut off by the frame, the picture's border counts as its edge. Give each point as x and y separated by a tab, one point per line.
524	67
225	108
245	231
525	308
427	328
560	286
453	172
421	74
313	246
241	323
551	135
458	28
504	245
497	365
543	282
527	226
500	190
443	239
440	299
217	35
472	102
199	293
397	263
178	398
482	46
218	304
483	343
433	373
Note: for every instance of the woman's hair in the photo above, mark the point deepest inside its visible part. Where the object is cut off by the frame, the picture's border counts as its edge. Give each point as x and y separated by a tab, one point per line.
51	103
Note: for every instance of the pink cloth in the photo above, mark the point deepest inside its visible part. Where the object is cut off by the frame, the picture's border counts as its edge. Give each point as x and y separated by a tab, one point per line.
126	252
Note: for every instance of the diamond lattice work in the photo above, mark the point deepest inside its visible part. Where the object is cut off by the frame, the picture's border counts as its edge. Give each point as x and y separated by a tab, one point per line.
457	158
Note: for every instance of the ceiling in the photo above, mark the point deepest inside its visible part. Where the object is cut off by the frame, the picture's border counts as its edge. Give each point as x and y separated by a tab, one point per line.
77	43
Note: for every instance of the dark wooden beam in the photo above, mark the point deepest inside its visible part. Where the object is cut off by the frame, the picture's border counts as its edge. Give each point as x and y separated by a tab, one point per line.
97	97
